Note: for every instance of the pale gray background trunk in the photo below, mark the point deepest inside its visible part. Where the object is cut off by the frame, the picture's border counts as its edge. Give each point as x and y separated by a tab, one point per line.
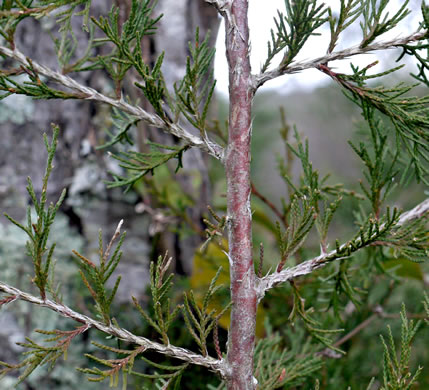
79	168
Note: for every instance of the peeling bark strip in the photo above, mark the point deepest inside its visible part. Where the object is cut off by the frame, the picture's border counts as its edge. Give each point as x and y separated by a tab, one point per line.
237	162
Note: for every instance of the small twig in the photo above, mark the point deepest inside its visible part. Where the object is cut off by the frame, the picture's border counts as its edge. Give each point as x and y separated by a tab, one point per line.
261	260
8	300
356	330
344	83
270	204
114	237
218	366
216	340
28	11
378	312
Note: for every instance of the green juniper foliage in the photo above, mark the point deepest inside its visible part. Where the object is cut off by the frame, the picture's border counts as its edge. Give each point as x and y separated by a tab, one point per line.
396	374
171	373
163	316
197	87
200	321
353	283
144	163
38	231
293	30
277	368
312	326
96	276
376	20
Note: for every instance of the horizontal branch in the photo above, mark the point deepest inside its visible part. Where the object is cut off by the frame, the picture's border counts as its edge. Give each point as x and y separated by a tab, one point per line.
87	93
218	366
268	282
295	67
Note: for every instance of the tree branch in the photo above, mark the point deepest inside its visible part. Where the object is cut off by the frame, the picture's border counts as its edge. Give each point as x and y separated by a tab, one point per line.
221	5
270	204
217	366
88	93
378	312
262	78
268	282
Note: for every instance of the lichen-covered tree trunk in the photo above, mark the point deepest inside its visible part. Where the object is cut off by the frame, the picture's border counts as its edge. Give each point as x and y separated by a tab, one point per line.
22	121
22	154
78	166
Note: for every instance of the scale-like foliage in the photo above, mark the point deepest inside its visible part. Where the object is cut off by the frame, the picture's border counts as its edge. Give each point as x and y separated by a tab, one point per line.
38	231
408	240
96	276
408	114
213	229
276	368
126	364
124	123
379	171
376	20
302	19
279	367
199	320
14	11
140	164
65	48
301	220
311	202
38	355
33	86
350	11
420	51
313	326
316	192
338	284
195	91
160	286
128	51
396	369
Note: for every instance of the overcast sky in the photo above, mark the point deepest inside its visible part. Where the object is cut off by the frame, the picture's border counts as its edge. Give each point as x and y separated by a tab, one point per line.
261	13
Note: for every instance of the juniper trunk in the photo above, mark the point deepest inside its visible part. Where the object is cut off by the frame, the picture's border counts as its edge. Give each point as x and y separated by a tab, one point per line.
243	294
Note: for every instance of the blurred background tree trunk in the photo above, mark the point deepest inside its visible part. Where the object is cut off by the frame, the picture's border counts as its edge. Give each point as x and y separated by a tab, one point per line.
180	20
80	168
176	29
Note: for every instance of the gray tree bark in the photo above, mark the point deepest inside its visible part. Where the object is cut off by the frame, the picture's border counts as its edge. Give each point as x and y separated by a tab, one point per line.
78	167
